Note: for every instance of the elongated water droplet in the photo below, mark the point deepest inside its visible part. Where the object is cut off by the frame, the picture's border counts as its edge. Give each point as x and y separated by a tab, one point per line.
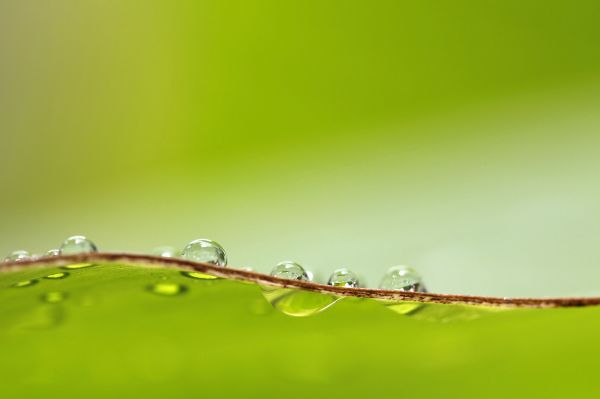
297	302
199	276
57	276
54	297
17	256
290	270
53	252
401	278
167	289
205	251
166	252
343	278
77	245
77	266
25	283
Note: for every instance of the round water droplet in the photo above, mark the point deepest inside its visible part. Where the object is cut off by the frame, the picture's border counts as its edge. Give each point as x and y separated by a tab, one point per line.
77	245
290	270
205	251
77	266
166	252
343	278
54	297
167	289
57	276
401	278
25	283
17	256
53	252
199	276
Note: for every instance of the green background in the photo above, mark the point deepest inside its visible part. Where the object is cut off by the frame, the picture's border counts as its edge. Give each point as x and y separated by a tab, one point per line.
460	137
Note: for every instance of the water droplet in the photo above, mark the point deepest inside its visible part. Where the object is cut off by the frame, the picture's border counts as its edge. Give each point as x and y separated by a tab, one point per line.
199	276
17	256
290	270
166	252
25	283
77	245
343	278
78	266
54	297
53	252
205	251
167	289
297	302
401	278
57	276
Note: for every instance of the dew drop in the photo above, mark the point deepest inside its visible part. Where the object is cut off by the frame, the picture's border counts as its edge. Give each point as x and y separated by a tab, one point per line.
53	252
297	302
289	270
199	276
77	245
17	256
25	283
57	276
205	251
54	297
166	252
401	278
343	278
167	289
77	266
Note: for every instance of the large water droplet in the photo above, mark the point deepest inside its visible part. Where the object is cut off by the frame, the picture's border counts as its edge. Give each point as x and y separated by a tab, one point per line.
17	256
401	278
25	283
205	251
297	302
199	276
166	252
343	278
54	297
77	245
167	289
290	270
57	276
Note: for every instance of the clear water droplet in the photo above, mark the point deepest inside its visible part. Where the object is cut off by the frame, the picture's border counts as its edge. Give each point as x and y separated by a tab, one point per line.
54	297
166	252
17	256
401	278
53	252
77	266
199	276
297	302
205	251
167	289
57	276
290	270
343	278
25	283
77	245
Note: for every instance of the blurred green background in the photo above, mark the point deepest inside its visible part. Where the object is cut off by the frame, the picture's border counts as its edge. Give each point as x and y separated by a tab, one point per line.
460	137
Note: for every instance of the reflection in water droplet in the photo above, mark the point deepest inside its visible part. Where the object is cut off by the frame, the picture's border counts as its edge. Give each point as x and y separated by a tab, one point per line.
78	266
57	276
199	276
53	252
77	245
297	302
17	256
439	312
343	278
25	283
54	297
289	270
402	307
401	278
166	252
167	289
205	251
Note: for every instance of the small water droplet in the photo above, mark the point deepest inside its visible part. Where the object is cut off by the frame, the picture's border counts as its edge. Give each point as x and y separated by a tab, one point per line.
17	256
54	297
77	245
205	251
53	252
77	266
166	252
199	276
343	278
57	276
289	270
25	283
401	278
167	289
